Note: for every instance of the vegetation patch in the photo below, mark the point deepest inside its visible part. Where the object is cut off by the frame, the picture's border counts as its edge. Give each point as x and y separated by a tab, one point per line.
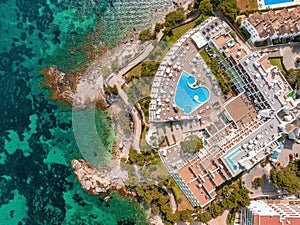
258	182
245	33
192	144
222	76
144	69
291	94
144	103
287	178
277	62
247	5
229	9
293	77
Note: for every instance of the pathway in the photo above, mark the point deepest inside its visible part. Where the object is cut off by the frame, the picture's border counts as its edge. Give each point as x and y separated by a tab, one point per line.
119	81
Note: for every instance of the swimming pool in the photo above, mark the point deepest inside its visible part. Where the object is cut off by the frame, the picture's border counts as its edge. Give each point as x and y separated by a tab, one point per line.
273	2
229	159
230	43
276	152
189	97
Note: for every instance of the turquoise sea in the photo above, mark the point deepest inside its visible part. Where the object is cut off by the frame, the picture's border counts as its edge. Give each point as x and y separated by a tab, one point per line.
37	185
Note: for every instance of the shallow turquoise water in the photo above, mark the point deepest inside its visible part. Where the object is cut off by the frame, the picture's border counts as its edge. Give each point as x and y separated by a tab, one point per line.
37	185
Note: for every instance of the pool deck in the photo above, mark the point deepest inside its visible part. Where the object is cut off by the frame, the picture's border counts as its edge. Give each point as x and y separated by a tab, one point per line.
261	4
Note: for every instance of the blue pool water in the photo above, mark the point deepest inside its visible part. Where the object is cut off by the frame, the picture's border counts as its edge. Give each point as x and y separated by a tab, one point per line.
189	98
191	80
229	159
277	151
230	43
273	2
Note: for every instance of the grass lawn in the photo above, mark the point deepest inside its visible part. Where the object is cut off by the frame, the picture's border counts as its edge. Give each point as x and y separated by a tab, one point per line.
135	71
185	204
181	30
143	144
277	62
247	5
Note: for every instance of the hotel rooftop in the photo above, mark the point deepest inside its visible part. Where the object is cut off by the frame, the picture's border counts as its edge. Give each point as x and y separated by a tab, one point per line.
238	131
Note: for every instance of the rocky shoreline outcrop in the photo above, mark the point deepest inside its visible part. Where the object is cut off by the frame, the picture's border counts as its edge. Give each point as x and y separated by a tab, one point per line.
66	87
97	183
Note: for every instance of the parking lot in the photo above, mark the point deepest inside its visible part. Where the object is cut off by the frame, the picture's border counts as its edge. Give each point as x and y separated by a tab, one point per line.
288	148
264	173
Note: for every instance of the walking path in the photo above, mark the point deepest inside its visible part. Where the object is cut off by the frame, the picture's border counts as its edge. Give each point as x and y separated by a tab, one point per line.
118	78
119	81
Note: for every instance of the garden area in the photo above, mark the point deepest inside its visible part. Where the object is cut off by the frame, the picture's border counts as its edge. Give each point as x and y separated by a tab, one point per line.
277	62
292	75
222	76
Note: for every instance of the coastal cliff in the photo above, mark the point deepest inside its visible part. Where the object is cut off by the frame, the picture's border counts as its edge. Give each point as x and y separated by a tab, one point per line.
96	182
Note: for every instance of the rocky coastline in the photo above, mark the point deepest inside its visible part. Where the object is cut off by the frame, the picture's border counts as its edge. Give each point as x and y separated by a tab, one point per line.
96	182
65	88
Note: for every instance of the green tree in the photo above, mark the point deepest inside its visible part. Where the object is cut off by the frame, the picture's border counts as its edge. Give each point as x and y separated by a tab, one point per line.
205	7
145	35
229	9
133	155
287	178
258	182
215	210
168	31
186	216
204	217
174	17
173	218
139	191
114	90
158	27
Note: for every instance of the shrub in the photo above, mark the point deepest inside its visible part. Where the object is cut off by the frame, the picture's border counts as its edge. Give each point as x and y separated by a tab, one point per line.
146	35
258	182
174	17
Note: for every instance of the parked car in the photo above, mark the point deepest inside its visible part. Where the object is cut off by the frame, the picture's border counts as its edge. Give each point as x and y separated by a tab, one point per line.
296	155
291	157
